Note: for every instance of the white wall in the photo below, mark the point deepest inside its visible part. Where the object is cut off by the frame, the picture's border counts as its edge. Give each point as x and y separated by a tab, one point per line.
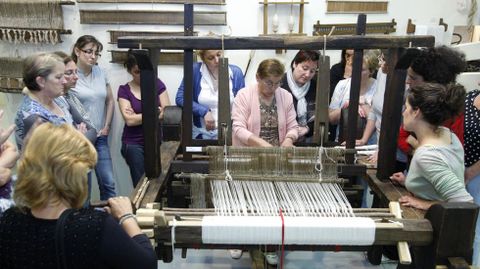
245	19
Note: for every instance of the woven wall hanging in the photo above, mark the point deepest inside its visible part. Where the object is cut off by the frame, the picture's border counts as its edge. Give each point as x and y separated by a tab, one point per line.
32	21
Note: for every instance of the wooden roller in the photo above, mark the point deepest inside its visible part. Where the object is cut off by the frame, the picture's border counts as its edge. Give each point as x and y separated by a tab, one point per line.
402	246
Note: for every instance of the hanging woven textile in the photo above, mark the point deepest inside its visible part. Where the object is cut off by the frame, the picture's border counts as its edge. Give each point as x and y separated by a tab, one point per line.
31	21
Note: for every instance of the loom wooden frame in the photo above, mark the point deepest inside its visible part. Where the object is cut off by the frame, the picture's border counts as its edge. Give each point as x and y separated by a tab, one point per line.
447	215
359	42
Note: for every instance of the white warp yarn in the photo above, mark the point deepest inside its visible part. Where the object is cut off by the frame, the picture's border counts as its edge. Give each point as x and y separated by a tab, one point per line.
298	230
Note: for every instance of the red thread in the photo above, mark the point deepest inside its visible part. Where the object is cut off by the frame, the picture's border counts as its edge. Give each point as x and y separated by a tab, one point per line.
282	254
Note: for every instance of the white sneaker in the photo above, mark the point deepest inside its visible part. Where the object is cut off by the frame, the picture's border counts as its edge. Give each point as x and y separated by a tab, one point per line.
236	253
271	257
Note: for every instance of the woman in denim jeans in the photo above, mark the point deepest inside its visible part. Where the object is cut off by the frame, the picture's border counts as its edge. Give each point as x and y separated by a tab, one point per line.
130	104
94	91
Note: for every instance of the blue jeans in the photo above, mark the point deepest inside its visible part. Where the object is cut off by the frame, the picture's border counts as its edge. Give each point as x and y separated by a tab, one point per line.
473	187
104	169
135	159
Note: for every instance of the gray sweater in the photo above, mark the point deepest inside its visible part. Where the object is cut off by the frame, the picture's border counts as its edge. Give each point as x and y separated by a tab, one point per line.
437	173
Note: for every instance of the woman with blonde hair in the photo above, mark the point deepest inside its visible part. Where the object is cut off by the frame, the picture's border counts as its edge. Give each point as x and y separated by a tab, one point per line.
205	92
49	219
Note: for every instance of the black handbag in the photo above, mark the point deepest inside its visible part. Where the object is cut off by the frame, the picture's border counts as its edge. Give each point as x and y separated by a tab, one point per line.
60	239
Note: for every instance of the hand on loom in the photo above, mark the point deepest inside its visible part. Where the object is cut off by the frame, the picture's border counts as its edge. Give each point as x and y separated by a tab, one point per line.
399	178
209	121
415	202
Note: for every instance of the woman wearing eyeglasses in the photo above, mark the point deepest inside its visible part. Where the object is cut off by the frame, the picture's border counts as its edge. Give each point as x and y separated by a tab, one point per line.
94	91
263	113
205	92
301	83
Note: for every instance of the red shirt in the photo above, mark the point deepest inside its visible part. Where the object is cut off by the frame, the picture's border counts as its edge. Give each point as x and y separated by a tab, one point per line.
455	125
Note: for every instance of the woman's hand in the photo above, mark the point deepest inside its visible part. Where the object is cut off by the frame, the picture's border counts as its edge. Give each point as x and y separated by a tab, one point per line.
408	200
120	206
82	127
160	113
373	158
287	142
399	178
209	121
5	175
8	155
105	131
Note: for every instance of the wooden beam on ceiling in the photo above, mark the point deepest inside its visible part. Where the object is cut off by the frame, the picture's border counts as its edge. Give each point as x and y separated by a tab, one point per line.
150	17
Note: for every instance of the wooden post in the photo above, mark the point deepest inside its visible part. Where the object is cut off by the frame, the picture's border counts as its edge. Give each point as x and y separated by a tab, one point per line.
391	116
453	234
300	15
187	112
321	101
151	130
355	90
265	17
224	118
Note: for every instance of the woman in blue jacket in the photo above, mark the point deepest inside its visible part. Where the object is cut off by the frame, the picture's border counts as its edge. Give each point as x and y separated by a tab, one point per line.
205	93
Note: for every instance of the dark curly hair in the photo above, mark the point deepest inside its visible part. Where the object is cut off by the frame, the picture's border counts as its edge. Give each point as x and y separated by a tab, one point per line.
440	64
437	102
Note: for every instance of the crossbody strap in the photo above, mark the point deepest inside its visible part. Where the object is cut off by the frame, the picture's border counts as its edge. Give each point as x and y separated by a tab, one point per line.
60	239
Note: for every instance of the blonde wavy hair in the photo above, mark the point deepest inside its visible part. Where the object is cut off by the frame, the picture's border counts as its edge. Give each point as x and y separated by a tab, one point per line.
54	165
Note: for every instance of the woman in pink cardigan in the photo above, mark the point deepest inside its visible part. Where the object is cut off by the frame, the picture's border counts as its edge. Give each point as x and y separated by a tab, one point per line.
263	113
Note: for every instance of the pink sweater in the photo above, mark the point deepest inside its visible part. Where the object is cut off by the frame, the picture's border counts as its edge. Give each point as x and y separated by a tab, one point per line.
246	115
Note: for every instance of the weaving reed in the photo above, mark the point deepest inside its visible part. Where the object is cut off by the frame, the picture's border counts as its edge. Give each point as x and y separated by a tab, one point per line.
276	163
32	21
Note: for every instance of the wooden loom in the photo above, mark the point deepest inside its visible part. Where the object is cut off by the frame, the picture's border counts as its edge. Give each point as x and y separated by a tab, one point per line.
426	233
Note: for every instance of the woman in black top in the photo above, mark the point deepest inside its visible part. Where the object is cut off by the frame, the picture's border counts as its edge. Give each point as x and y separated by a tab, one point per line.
51	189
301	83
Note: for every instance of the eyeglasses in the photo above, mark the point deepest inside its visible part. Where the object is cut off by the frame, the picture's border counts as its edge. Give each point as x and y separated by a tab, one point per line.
89	52
70	72
271	84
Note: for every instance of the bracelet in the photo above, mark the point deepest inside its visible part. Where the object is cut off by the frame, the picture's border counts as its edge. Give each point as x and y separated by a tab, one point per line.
125	217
